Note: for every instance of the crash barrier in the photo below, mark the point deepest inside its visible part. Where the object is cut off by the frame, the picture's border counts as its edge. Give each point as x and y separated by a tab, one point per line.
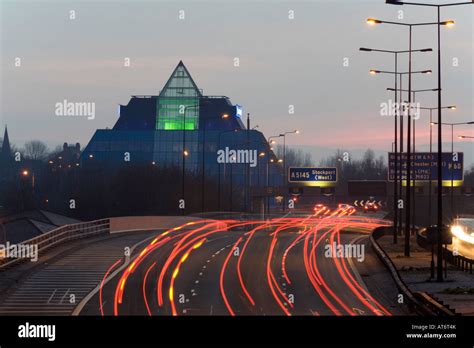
48	240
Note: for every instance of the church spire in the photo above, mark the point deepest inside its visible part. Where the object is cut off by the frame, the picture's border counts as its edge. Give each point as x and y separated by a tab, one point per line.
6	149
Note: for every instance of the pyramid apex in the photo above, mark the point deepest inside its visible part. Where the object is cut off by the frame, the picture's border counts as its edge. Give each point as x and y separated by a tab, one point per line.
180	84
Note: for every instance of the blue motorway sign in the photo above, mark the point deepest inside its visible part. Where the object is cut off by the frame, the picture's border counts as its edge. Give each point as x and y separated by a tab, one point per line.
311	175
424	165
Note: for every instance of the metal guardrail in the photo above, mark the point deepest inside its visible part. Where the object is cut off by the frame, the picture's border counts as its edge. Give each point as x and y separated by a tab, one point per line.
413	302
60	235
420	301
461	262
434	305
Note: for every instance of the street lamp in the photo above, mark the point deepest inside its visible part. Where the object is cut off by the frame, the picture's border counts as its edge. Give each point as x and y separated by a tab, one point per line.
270	142
449	23
395	182
414	146
400	75
203	178
464	137
373	21
185	153
452	151
450	107
296	131
26	173
219	168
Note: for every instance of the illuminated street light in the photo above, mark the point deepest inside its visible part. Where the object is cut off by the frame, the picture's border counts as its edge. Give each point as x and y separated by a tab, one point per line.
374	72
373	21
224	116
449	107
396	186
448	24
452	125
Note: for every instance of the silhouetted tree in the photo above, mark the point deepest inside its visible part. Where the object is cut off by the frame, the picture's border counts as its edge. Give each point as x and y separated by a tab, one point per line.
36	150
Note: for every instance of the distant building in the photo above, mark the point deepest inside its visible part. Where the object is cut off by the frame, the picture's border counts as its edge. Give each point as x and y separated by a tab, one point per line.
68	158
151	130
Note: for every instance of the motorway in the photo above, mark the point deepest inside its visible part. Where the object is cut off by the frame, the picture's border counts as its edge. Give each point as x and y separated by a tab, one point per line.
281	266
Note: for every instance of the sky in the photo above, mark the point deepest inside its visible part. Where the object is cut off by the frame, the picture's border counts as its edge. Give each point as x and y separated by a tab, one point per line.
311	61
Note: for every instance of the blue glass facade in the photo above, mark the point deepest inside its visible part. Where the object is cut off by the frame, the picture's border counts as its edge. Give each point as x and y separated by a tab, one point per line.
144	133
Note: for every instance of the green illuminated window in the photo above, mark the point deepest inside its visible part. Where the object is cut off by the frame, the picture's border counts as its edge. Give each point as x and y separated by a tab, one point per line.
178	103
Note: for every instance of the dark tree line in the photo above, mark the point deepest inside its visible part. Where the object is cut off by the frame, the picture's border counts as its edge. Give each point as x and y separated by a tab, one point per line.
366	168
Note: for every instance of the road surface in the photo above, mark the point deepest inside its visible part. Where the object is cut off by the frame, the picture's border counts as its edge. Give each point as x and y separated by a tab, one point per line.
301	265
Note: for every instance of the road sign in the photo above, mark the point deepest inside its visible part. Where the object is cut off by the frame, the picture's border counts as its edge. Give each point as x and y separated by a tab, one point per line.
425	164
312	176
362	202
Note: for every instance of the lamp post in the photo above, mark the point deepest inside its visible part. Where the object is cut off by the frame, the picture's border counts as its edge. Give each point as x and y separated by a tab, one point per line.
184	154
409	73
439	260
395	181
203	174
270	143
219	169
451	107
284	163
413	198
414	148
452	187
452	125
373	21
26	174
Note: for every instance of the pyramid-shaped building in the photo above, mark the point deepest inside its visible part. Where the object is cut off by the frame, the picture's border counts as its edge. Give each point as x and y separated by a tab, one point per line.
159	129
